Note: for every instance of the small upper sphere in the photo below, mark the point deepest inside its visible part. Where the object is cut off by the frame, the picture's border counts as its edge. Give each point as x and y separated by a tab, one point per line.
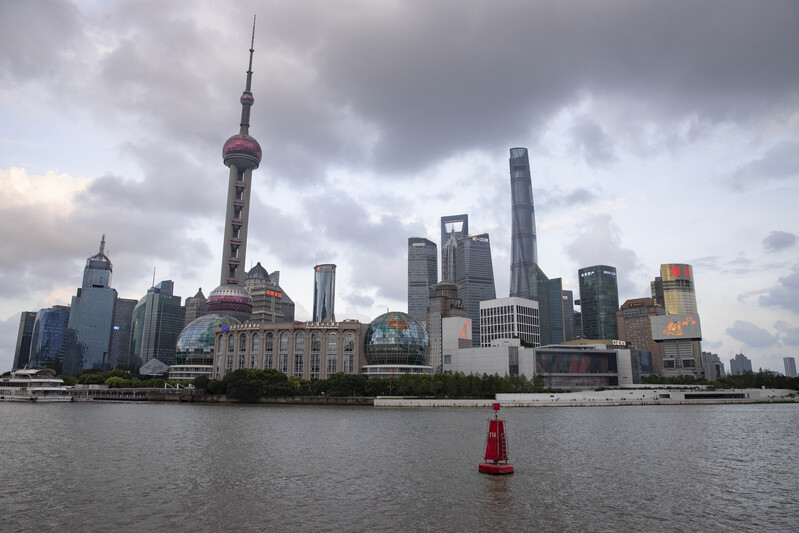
243	151
247	99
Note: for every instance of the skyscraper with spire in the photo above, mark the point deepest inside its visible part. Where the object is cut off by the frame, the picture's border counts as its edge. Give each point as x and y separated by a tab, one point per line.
241	154
91	317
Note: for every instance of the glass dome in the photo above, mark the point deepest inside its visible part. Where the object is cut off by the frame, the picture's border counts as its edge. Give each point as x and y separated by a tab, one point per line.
396	339
196	341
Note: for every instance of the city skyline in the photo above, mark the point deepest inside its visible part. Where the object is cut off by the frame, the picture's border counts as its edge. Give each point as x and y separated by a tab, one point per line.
377	123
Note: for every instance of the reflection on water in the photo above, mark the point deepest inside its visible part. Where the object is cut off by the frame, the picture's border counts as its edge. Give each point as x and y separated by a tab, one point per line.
131	467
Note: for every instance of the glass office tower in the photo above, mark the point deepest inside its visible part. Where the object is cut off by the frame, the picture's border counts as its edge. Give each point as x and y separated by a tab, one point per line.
524	252
599	302
475	277
422	274
324	293
47	343
453	228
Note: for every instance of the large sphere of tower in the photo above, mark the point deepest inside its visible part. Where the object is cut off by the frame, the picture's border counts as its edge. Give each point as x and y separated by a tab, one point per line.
243	151
230	300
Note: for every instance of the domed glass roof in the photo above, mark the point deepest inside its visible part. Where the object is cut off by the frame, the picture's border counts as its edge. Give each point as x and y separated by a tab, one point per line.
198	336
396	339
258	271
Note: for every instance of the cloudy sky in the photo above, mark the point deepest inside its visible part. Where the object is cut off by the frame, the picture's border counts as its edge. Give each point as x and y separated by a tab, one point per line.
663	131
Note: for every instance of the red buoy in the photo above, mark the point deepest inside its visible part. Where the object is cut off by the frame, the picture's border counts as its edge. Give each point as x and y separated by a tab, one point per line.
496	458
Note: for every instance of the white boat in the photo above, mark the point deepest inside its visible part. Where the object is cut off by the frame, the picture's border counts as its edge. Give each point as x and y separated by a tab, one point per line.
34	385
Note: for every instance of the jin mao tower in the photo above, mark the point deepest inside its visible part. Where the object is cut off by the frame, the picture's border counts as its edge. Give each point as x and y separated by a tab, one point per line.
241	154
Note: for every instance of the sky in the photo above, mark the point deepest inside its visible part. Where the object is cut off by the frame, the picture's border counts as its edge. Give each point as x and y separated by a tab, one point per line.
658	132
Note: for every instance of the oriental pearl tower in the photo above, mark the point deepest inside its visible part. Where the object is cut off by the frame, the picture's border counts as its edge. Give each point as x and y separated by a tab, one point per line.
241	154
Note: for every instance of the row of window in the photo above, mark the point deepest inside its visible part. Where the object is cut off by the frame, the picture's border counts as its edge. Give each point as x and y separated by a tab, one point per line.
283	342
283	363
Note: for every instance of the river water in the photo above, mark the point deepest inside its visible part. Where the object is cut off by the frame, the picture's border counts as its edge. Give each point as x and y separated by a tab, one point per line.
163	467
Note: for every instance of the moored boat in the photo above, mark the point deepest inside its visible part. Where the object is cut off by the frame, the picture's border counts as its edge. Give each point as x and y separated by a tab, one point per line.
34	385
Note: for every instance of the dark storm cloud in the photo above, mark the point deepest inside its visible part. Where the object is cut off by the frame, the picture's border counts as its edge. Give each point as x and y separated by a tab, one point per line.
398	86
785	294
554	198
777	241
751	335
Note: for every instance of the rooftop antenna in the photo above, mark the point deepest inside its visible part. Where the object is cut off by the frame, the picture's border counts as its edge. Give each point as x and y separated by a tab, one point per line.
153	285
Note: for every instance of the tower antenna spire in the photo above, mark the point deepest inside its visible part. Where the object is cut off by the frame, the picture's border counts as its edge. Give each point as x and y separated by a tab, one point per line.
246	98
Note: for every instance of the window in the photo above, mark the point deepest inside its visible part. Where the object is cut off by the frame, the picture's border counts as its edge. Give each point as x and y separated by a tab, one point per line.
256	343
299	343
242	342
316	341
314	366
221	347
241	360
298	364
268	361
231	343
252	360
284	342
229	362
349	343
283	363
332	343
348	364
331	364
269	342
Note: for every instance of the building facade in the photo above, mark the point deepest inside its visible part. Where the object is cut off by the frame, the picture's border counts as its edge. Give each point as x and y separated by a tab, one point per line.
712	366
790	366
635	328
121	333
22	352
453	229
270	303
509	318
49	334
674	290
568	315
305	350
157	323
677	335
196	306
740	364
475	277
444	304
324	293
599	302
91	317
422	275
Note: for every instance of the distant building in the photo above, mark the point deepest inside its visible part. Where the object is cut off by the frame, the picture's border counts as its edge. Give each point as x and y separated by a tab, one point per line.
509	318
196	306
578	323
157	323
270	303
422	275
305	350
568	315
91	317
394	344
556	312
121	333
740	364
599	302
22	352
674	290
524	252
635	328
444	304
677	335
324	293
475	277
49	335
712	366
453	229
790	366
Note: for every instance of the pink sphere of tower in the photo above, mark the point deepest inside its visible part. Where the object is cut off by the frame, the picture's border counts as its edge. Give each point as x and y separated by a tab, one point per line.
243	151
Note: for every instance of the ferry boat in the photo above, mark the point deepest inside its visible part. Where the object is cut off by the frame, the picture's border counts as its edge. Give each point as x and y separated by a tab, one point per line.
34	385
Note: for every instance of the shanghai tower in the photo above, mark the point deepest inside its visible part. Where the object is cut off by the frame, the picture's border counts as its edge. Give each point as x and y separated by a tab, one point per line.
524	254
241	154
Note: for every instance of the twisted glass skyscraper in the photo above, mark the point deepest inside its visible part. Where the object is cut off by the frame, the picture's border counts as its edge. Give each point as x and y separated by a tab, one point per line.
524	253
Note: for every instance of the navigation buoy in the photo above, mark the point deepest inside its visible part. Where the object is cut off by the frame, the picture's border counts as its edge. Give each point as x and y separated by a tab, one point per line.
496	458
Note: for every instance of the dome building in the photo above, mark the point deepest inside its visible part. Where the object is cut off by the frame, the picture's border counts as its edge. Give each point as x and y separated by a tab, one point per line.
395	343
195	347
